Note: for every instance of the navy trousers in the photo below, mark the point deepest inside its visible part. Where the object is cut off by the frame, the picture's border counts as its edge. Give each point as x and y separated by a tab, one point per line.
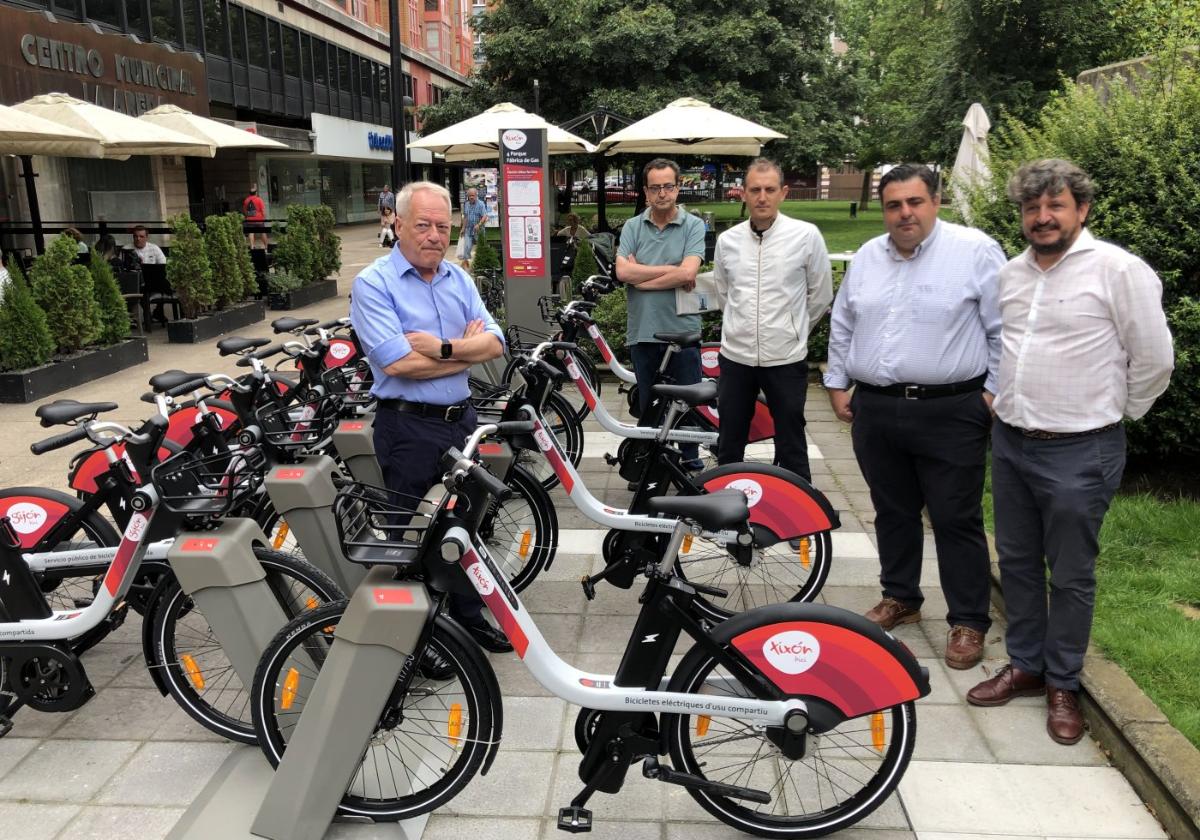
683	369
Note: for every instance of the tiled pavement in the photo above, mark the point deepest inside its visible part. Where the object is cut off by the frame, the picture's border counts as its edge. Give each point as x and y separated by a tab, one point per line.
129	763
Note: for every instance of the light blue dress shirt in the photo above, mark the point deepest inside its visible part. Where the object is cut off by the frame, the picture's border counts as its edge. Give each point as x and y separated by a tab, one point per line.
390	298
930	319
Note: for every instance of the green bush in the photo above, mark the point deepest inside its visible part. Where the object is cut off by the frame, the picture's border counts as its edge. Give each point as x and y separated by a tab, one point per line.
818	336
66	294
188	270
485	258
224	242
1143	152
282	282
585	264
114	314
611	318
329	244
25	339
245	266
296	251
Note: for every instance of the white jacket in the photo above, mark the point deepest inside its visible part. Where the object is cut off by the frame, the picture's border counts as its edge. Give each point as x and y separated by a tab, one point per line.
772	289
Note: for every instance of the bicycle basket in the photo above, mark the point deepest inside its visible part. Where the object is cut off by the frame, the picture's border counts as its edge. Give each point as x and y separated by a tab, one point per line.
350	383
208	485
301	425
380	526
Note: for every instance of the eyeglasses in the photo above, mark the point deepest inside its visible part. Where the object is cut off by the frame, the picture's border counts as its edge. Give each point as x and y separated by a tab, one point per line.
661	188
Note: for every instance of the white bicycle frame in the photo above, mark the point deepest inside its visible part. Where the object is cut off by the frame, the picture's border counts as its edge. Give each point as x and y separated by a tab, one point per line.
78	558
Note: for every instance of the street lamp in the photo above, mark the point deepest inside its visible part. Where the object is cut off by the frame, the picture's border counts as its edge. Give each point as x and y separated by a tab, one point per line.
400	102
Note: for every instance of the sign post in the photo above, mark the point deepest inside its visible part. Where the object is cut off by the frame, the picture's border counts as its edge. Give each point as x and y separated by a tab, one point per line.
525	224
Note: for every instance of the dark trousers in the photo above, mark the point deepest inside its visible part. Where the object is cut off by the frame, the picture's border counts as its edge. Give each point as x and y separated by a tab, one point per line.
786	388
683	369
1050	499
409	449
929	454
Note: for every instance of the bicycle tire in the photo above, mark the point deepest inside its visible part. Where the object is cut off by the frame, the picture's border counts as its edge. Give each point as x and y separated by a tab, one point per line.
845	773
521	532
427	710
189	657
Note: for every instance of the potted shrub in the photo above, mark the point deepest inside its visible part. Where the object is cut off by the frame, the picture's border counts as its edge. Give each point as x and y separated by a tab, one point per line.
191	276
223	241
66	294
114	314
308	252
25	339
296	249
329	244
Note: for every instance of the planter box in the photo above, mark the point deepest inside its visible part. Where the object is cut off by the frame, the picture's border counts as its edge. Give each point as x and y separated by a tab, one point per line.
313	292
22	386
195	330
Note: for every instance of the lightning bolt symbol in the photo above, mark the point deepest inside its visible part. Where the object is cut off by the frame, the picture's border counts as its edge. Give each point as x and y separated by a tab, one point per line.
6	577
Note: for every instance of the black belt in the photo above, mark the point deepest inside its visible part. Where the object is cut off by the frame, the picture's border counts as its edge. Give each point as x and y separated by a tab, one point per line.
449	413
910	391
1038	434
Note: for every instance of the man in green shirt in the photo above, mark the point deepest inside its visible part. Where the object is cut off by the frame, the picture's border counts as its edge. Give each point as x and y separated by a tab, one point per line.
661	250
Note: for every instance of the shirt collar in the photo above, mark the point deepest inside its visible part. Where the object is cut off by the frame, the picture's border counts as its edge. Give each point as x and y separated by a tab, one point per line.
674	220
921	246
1084	242
404	267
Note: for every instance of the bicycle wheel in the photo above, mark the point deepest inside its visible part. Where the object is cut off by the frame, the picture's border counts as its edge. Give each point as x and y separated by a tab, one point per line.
426	746
846	773
521	532
567	428
792	551
189	656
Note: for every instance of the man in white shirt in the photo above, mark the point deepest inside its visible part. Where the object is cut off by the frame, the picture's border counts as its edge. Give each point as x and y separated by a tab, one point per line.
1084	343
147	252
774	283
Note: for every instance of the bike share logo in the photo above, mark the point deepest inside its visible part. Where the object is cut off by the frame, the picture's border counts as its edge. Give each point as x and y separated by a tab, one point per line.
750	487
543	439
26	517
136	527
514	139
793	652
710	359
481	578
339	350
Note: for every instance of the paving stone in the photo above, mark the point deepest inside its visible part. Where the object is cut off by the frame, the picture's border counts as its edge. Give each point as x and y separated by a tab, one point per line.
165	773
1017	735
943	690
948	733
451	827
516	786
28	821
178	725
515	679
606	633
639	799
937	835
568	567
720	831
847	545
122	823
66	771
135	675
13	749
535	723
609	829
28	723
119	713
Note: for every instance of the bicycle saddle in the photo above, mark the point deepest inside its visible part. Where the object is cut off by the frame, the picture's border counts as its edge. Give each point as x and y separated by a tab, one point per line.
712	511
167	380
64	411
680	339
287	323
237	344
702	393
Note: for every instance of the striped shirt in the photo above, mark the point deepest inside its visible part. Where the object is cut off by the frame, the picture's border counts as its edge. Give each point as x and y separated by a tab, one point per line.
929	319
473	213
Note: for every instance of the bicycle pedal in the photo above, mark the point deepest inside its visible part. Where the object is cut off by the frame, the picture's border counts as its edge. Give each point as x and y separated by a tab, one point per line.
589	588
574	820
611	460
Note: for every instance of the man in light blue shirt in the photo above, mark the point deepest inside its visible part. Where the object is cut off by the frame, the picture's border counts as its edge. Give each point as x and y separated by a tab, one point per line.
423	325
916	327
474	218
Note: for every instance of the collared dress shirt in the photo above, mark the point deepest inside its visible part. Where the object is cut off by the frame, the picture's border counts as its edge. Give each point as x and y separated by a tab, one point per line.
654	311
929	319
1085	341
390	298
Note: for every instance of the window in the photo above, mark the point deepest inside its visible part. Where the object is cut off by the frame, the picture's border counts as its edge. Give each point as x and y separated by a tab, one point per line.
237	28
320	62
164	17
68	8
365	88
107	12
343	66
215	28
256	39
306	62
433	40
135	18
291	52
273	47
192	23
433	5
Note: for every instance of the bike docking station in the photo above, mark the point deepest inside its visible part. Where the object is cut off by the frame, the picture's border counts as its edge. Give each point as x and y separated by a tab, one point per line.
299	800
354	441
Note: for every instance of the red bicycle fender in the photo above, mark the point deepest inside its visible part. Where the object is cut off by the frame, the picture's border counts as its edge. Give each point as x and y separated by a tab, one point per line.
782	507
31	516
339	352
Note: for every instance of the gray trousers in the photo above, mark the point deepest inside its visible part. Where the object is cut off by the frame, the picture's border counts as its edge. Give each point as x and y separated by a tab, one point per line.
1050	499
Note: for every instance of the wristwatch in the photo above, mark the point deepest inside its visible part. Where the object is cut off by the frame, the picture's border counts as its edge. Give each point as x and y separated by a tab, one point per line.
447	349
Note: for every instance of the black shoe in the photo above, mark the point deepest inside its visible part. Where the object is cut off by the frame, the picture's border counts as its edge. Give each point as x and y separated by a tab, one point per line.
433	667
489	638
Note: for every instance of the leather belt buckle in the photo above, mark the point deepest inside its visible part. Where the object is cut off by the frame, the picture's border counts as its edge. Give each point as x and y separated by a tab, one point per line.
454	413
912	392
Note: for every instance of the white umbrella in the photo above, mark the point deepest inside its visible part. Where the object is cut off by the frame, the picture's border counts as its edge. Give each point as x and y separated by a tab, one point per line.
690	127
971	164
208	131
120	136
476	138
26	134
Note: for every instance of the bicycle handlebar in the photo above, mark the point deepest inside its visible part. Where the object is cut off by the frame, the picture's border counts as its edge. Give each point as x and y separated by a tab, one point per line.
103	432
58	441
187	387
265	353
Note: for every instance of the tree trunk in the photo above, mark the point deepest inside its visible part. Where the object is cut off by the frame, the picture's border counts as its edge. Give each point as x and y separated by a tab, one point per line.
864	198
601	197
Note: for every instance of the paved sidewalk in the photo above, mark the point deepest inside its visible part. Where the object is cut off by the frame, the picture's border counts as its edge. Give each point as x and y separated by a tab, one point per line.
129	762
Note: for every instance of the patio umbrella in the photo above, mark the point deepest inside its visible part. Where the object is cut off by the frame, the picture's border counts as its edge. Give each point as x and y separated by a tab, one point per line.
27	134
971	164
119	135
476	138
204	130
690	127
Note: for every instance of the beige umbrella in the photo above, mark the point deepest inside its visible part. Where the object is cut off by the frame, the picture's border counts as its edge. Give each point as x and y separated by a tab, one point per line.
119	136
214	133
971	164
476	138
26	134
690	127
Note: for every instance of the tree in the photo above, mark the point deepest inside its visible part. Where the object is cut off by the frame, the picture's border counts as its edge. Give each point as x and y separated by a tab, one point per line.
189	271
296	249
223	242
25	339
66	294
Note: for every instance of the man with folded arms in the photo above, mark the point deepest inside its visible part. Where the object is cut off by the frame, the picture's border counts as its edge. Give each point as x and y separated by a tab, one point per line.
915	325
1085	343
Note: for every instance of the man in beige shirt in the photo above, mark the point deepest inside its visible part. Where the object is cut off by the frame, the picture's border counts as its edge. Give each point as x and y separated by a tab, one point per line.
1084	343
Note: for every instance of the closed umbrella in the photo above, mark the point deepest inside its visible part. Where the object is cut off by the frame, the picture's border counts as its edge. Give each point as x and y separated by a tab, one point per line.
27	134
202	129
971	164
475	138
119	135
690	127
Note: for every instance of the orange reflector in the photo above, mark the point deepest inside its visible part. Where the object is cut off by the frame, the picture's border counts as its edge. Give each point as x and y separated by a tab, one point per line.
312	603
290	683
702	722
526	539
454	723
687	544
193	671
877	731
805	557
280	535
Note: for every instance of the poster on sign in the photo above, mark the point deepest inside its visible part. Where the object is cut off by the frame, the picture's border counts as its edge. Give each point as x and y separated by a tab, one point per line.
522	165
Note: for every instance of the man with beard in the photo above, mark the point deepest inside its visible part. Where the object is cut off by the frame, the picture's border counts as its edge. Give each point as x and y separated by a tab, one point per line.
1084	343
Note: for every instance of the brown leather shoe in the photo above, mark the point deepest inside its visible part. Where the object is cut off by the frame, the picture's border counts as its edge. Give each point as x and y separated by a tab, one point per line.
964	648
889	612
1064	720
1008	683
